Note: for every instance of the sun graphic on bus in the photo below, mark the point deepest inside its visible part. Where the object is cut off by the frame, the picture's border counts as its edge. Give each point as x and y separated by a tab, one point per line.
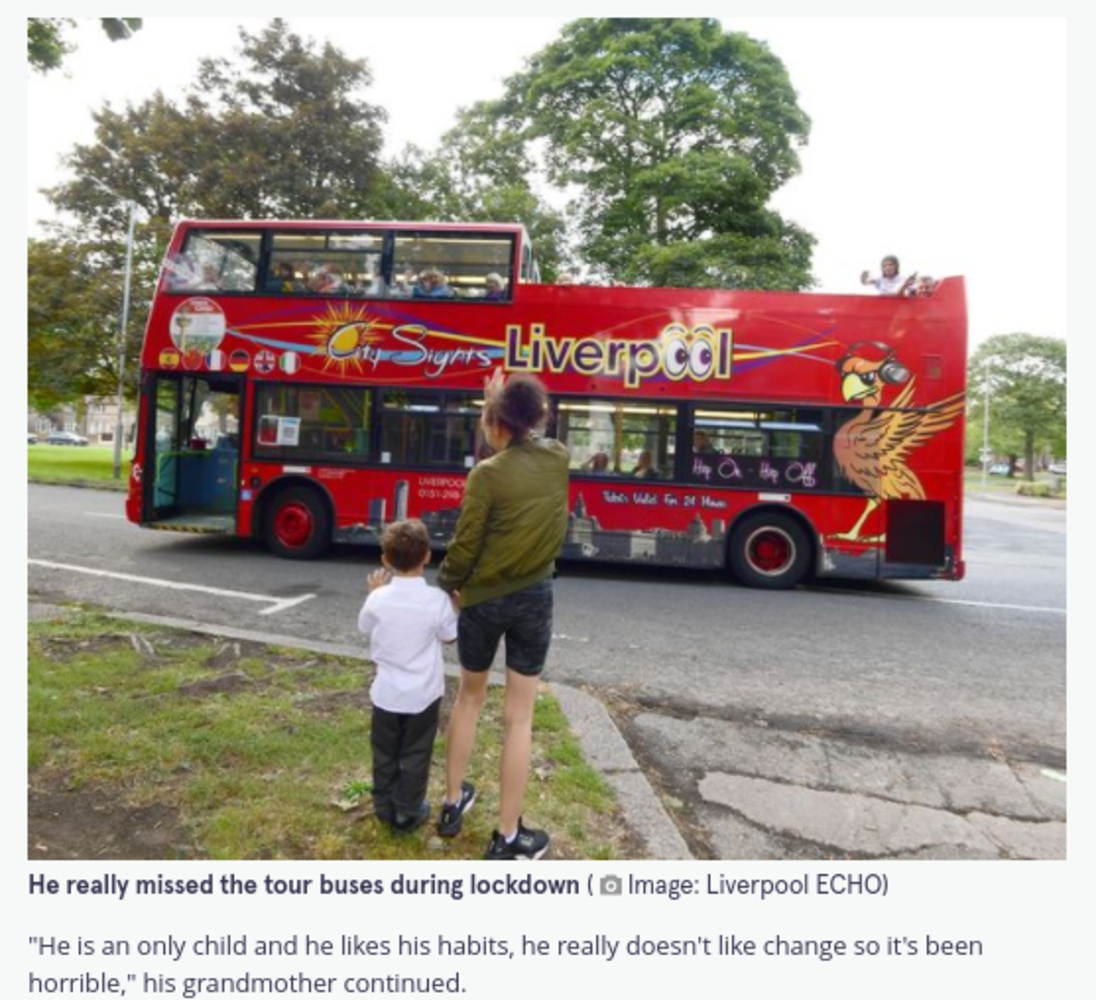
345	334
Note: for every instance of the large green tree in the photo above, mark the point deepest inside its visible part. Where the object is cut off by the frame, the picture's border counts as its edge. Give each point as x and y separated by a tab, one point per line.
1024	378
74	302
480	172
48	44
281	131
675	134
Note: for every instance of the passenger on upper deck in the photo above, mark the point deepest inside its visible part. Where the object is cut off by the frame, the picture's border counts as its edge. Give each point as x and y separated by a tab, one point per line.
368	285
282	278
210	280
495	288
403	284
432	285
924	288
889	282
327	280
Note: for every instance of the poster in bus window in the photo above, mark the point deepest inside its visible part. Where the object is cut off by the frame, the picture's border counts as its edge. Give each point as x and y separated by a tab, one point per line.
281	432
289	431
268	430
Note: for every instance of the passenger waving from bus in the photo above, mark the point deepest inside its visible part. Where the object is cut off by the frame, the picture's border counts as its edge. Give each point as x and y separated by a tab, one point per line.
889	281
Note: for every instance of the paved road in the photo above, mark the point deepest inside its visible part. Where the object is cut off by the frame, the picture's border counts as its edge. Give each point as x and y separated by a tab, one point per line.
857	775
898	720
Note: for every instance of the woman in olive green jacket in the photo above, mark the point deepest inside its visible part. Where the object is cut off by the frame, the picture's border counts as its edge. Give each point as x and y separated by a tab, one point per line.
501	561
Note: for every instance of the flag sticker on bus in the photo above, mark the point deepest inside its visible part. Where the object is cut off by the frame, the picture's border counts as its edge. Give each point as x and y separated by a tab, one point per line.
239	360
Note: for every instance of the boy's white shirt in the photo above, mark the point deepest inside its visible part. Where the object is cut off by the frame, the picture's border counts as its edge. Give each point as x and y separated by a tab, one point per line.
407	620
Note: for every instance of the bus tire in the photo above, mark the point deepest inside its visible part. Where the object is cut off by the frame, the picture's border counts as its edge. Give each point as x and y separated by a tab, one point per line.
769	550
296	523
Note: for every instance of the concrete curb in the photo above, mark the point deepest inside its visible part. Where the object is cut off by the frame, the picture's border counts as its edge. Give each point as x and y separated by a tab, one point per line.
601	741
605	749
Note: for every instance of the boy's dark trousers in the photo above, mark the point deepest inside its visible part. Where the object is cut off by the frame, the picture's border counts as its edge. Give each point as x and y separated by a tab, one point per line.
402	747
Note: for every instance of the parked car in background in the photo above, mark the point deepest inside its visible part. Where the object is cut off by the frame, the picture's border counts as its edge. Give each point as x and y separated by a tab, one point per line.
1057	468
999	469
32	438
66	437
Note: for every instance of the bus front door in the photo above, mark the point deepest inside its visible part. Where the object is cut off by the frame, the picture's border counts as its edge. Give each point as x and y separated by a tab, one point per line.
194	455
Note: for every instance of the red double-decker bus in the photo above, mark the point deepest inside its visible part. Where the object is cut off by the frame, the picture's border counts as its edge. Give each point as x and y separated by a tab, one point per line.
309	382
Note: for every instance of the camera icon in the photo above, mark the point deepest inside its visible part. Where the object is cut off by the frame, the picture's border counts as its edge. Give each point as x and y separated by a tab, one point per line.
610	885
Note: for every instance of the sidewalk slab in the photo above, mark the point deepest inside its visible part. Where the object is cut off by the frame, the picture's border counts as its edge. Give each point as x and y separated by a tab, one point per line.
959	784
857	824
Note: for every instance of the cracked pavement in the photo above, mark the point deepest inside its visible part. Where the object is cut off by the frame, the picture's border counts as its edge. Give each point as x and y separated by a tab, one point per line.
745	790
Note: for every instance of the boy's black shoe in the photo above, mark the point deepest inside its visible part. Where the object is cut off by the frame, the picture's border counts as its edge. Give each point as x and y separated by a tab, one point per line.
405	824
452	816
528	845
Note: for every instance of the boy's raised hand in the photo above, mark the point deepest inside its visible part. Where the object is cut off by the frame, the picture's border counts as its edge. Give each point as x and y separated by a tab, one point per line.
378	578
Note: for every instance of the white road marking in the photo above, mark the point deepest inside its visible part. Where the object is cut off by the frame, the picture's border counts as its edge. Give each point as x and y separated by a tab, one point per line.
119	517
276	603
1036	608
1056	775
992	604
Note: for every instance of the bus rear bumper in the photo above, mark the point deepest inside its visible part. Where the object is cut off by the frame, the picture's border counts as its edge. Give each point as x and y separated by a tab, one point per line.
867	563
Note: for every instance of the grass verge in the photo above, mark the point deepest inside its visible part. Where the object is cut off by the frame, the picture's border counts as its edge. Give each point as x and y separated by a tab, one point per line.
1017	486
147	743
76	466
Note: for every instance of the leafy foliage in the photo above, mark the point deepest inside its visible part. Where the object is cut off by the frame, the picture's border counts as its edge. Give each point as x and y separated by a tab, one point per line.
279	132
675	135
73	308
47	45
480	173
1026	378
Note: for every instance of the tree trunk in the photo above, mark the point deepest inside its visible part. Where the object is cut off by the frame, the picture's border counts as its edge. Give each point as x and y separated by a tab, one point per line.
1029	456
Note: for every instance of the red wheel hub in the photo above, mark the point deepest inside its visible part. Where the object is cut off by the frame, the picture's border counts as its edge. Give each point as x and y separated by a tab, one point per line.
293	525
770	551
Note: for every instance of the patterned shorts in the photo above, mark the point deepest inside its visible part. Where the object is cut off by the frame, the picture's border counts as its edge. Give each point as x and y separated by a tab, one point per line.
524	618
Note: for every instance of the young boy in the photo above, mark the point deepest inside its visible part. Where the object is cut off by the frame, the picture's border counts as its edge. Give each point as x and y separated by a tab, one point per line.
406	621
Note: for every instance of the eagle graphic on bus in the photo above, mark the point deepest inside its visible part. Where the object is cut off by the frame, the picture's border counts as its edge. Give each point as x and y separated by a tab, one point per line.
873	448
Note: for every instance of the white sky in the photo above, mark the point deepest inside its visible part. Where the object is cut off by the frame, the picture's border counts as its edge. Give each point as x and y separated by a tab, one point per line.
941	141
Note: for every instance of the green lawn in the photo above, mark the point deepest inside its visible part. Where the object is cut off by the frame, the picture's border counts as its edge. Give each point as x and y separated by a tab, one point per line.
973	480
49	463
148	742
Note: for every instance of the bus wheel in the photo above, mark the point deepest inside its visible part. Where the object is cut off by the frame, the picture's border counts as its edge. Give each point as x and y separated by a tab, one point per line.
769	551
296	524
